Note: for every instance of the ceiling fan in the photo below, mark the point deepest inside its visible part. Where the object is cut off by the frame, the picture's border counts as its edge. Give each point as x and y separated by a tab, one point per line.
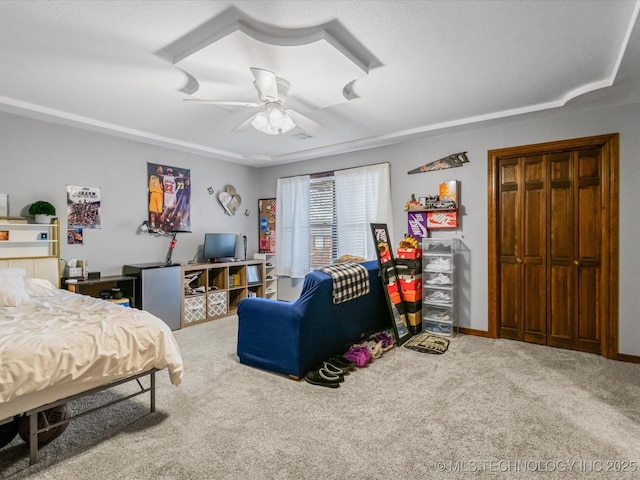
272	119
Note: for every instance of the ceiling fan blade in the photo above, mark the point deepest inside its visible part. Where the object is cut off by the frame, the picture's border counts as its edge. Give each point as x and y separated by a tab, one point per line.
244	125
303	122
266	84
222	102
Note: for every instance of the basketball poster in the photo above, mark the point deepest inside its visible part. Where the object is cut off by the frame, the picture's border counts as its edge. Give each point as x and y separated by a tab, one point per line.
83	207
169	199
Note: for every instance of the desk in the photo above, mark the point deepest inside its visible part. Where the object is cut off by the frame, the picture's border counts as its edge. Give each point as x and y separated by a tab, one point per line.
93	288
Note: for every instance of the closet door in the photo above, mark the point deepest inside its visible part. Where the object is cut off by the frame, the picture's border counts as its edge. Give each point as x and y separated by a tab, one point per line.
523	261
588	250
560	274
533	261
553	244
509	221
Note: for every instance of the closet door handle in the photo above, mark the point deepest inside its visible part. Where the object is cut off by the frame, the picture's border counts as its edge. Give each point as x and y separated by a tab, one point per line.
519	261
576	262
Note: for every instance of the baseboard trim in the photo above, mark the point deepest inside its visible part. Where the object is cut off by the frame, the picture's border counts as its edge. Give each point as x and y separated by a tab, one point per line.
622	357
477	333
625	357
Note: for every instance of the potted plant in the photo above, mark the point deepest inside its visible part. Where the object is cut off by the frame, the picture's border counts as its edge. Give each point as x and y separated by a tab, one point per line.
42	211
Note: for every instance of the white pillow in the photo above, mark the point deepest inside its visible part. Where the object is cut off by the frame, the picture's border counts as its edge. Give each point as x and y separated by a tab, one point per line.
12	288
39	287
11	271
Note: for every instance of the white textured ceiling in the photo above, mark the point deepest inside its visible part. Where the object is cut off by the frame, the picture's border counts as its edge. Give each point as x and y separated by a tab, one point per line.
111	66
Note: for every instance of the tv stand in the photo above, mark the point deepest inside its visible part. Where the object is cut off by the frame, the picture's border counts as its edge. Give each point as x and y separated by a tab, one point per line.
213	290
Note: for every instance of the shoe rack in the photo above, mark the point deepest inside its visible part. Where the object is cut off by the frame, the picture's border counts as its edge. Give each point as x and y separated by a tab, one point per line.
439	285
271	280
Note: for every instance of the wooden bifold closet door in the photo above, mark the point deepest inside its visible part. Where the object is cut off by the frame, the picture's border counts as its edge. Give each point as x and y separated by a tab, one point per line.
553	236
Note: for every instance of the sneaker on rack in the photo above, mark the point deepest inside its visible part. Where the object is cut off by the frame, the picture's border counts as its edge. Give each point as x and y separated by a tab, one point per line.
438	248
438	296
440	279
439	329
438	315
439	263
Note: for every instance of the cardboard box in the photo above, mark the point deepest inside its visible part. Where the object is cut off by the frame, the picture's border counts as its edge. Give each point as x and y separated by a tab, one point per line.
412	295
407	266
417	224
411	253
442	219
410	282
413	307
414	318
449	192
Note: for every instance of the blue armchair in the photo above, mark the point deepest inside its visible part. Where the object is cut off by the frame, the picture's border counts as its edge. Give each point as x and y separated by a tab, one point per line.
294	337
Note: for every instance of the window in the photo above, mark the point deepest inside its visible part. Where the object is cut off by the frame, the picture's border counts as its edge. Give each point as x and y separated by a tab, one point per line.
323	247
322	219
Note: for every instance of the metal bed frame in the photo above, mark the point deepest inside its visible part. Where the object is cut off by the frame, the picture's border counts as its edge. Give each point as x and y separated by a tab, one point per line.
33	413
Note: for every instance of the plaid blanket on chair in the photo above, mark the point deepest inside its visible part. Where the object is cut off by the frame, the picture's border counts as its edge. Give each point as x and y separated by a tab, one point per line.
350	280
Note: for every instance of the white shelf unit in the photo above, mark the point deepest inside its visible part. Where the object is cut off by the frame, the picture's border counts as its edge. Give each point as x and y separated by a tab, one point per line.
270	278
28	240
439	285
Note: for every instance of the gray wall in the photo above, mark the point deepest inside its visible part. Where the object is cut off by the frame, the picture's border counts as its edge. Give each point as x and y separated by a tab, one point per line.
40	159
473	185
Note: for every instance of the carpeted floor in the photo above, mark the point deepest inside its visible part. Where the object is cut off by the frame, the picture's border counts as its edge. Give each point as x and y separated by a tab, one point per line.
484	409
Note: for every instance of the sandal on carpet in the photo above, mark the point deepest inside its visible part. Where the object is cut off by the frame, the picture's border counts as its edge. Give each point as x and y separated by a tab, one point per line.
359	355
386	340
341	361
323	378
336	369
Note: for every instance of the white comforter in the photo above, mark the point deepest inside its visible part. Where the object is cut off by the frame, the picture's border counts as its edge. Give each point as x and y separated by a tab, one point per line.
69	338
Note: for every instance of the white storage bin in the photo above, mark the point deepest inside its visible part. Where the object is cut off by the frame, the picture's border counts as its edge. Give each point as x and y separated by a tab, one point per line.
437	328
441	263
217	304
434	313
195	309
437	279
438	296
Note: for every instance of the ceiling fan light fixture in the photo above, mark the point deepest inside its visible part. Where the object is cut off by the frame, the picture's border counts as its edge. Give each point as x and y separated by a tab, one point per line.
273	120
276	118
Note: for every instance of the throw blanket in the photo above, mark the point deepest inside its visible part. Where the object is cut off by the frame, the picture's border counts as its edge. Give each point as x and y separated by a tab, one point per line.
350	280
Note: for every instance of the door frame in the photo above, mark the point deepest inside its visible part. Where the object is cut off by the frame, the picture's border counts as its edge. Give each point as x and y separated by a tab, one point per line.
609	285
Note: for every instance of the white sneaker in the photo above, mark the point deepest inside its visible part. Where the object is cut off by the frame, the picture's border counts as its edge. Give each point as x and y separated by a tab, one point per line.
440	263
438	297
439	279
440	315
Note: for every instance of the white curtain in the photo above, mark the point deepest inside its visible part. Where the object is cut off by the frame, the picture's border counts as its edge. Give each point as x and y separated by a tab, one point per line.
363	196
292	226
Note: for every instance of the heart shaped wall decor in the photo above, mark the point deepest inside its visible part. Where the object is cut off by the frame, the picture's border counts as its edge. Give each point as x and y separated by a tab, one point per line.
229	200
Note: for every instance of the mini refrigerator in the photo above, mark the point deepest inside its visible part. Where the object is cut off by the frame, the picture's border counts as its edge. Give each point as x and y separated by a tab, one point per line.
158	290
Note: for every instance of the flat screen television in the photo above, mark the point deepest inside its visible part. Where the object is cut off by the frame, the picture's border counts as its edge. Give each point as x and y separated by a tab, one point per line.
219	247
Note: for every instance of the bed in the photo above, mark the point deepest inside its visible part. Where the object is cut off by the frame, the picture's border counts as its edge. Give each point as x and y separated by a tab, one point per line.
56	346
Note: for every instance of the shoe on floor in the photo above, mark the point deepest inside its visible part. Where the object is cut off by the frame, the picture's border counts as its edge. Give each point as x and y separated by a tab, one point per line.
335	369
340	361
323	378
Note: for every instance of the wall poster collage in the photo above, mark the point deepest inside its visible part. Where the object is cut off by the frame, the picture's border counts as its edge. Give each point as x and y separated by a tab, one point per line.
267	229
83	211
